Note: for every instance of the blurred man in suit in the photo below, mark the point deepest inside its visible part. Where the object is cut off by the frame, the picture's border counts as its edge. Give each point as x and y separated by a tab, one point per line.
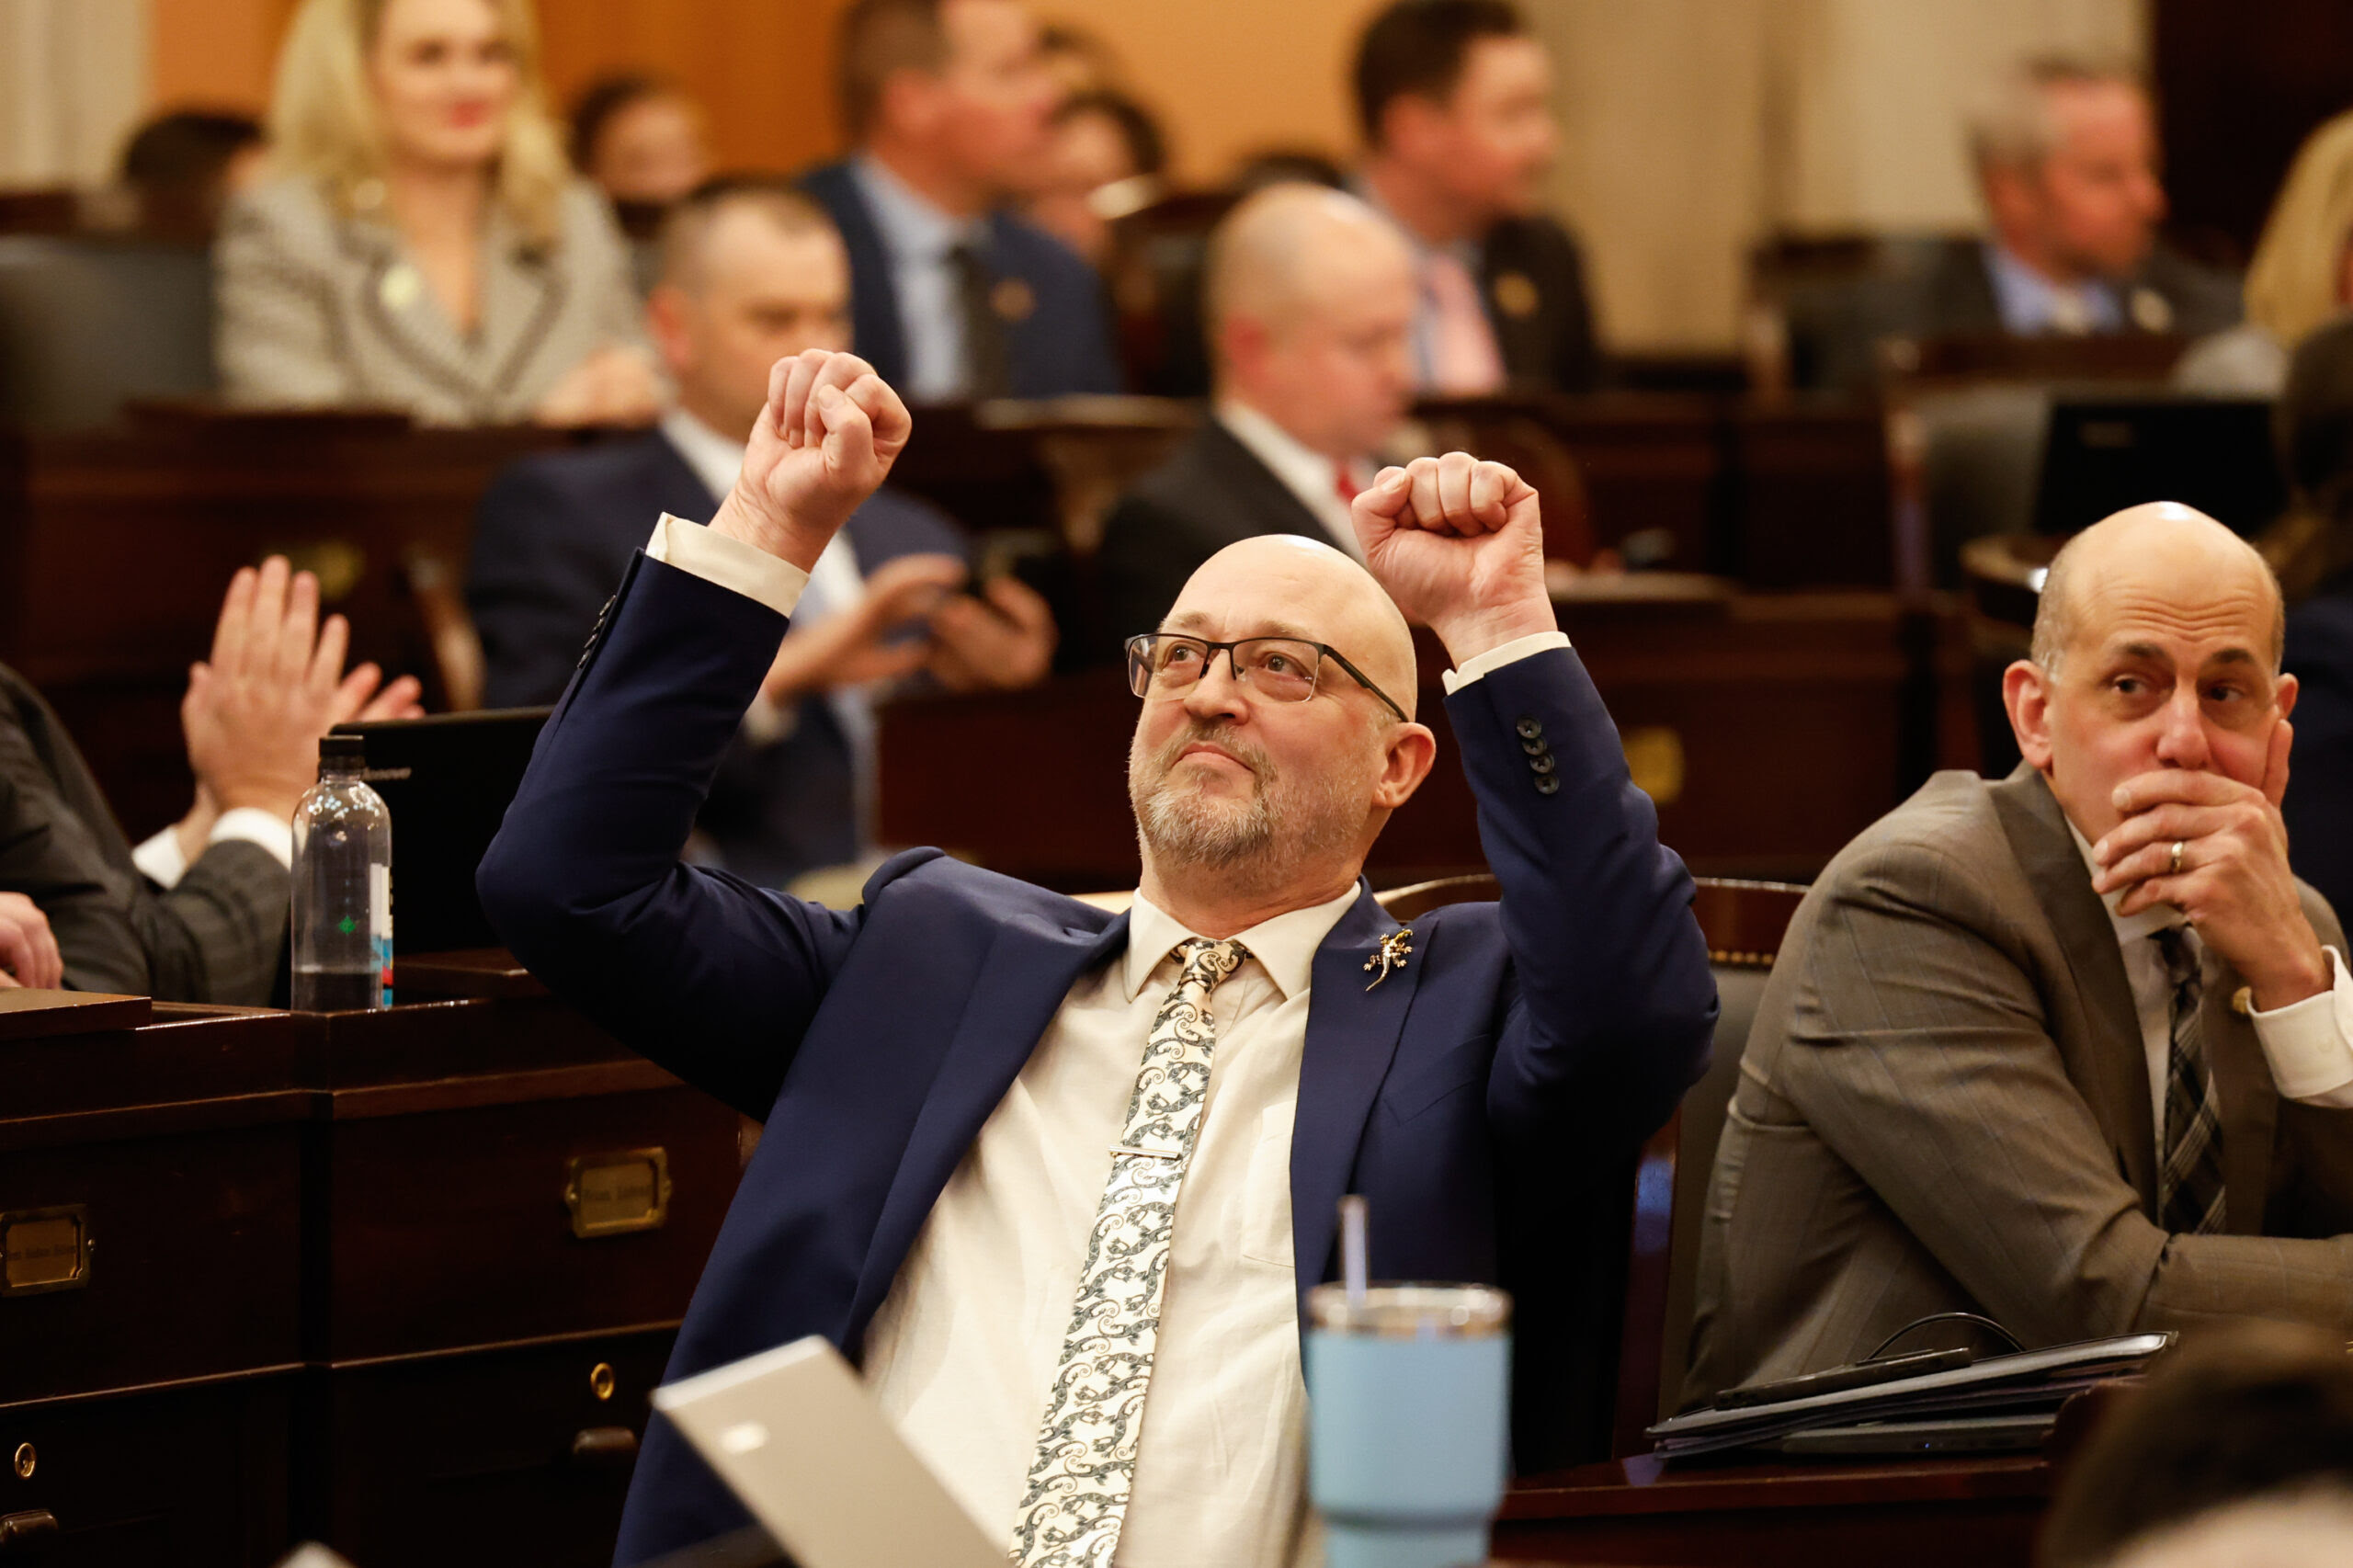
2071	1049
1454	99
198	912
751	270
1310	298
955	297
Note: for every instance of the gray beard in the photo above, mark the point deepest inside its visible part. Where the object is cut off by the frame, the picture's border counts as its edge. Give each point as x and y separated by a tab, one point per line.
1248	841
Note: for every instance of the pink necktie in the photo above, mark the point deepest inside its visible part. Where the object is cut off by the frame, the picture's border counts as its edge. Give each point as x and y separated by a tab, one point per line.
1464	361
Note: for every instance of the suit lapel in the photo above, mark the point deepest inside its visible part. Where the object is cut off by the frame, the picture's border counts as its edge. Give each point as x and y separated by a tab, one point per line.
2113	1075
1029	969
2250	1109
1262	503
1352	1035
522	292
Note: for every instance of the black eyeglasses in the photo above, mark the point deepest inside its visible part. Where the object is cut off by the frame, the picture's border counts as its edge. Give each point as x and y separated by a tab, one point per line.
1284	669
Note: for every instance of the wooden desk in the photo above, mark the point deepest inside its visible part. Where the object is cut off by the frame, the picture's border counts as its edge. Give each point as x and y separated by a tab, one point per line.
1955	1513
116	547
401	1280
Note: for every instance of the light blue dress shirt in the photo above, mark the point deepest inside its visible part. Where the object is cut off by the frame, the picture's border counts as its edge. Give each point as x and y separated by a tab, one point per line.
2031	304
919	237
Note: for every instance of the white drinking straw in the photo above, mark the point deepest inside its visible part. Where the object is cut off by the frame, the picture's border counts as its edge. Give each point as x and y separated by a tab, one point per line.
1352	1246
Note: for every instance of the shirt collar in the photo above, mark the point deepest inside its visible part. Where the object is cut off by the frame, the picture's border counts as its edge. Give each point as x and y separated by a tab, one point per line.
911	225
717	460
1469	253
2030	303
1285	947
2129	927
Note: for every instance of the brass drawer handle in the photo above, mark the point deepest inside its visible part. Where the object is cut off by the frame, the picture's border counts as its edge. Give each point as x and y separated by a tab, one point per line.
601	1381
25	1529
604	1447
24	1461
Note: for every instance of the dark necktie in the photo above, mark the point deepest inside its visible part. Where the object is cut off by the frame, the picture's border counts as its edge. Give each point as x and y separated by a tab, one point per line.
2190	1184
987	370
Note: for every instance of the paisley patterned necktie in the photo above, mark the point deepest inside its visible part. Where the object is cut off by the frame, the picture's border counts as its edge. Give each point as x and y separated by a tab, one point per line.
1077	1497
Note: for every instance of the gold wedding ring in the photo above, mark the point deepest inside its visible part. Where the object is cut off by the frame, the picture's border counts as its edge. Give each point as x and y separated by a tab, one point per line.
2177	857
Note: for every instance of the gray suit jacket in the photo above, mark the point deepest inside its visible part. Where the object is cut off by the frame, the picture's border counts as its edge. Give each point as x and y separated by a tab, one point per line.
319	309
215	936
1944	1106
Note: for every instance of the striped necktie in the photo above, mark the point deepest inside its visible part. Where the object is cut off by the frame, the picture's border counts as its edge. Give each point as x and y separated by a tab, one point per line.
2189	1183
1077	1496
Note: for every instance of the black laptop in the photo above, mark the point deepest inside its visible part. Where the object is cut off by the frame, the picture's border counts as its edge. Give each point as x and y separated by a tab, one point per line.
448	779
2103	455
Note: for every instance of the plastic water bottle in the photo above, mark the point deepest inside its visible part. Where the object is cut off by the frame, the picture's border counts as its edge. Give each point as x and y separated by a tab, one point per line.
343	887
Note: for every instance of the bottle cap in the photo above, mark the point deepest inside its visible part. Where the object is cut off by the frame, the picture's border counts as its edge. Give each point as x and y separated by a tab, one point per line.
342	754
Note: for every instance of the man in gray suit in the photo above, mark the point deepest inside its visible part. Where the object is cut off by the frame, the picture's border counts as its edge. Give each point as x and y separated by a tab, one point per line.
198	912
2069	1050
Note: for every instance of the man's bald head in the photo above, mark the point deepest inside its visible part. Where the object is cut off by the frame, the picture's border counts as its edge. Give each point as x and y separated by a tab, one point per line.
1309	302
1288	585
2162	550
1294	248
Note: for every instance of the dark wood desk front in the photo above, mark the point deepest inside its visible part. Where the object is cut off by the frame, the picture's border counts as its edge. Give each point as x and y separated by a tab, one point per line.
398	1280
1949	1513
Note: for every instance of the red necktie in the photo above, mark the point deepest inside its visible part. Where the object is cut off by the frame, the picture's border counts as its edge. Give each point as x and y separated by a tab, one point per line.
1342	485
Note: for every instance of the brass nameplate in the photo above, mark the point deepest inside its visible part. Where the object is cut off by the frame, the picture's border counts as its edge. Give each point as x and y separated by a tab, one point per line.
612	1194
44	1249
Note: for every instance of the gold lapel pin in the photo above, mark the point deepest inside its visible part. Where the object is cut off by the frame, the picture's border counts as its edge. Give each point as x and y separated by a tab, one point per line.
1395	949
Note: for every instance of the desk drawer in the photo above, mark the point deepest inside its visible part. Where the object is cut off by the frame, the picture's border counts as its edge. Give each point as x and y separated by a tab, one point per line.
495	1457
192	1267
449	1229
196	1479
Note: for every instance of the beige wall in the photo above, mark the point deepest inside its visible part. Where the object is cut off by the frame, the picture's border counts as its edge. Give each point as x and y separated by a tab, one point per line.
1694	126
1232	77
70	87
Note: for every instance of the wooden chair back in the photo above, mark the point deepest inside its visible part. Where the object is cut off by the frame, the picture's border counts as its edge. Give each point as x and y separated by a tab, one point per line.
1743	922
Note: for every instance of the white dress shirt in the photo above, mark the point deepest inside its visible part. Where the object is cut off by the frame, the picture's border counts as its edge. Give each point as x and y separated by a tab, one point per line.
161	861
919	238
2309	1044
962	1350
1306	474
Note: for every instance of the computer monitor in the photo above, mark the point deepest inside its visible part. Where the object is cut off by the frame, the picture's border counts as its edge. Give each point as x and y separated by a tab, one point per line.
2105	454
448	779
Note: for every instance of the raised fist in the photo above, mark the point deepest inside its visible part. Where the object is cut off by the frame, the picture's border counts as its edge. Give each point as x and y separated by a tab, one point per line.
826	442
1459	545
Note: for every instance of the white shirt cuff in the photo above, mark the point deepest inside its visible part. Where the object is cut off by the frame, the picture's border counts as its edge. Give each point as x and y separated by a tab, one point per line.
1496	658
730	563
251	825
2310	1043
160	860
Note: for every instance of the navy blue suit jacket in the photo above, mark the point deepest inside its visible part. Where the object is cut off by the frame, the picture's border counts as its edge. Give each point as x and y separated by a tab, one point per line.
1060	346
552	536
2319	807
1471	1097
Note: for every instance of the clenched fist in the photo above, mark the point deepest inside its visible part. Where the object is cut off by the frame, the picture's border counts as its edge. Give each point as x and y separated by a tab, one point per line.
1459	545
825	442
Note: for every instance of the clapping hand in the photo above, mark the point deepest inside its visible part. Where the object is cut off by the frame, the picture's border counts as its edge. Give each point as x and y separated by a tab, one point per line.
256	708
825	442
1459	545
2233	879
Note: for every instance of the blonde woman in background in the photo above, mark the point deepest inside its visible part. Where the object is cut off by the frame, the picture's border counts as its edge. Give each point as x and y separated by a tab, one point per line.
427	246
2301	275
